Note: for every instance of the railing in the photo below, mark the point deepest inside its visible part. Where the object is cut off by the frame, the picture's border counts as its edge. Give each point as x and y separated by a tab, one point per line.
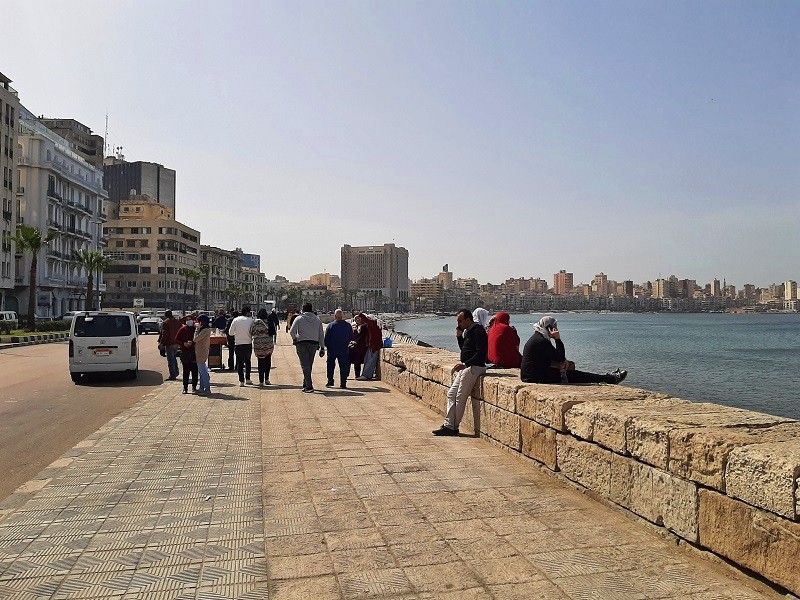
53	224
71	202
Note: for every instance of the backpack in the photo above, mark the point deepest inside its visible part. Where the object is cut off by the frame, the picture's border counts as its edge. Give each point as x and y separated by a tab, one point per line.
263	344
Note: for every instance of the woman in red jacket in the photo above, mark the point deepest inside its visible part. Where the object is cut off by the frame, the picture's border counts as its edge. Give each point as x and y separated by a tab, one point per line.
504	343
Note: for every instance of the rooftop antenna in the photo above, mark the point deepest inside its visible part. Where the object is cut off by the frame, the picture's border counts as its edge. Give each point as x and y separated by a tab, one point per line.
105	139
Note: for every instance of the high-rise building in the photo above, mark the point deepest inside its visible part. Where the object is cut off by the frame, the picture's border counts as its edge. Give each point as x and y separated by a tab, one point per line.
445	278
150	249
562	283
790	290
628	287
9	110
58	192
80	138
600	284
225	284
251	261
715	289
426	294
124	179
381	269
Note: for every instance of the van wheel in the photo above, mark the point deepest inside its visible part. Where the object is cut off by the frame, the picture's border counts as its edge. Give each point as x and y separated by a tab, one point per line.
76	377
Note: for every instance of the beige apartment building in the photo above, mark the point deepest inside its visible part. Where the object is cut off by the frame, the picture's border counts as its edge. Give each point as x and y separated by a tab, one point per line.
149	248
9	112
426	294
80	138
225	280
380	269
562	283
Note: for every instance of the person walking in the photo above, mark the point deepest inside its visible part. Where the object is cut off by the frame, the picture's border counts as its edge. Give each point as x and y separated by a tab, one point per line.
166	343
263	345
185	339
239	330
202	346
307	337
374	345
220	321
359	344
474	345
274	324
231	343
338	336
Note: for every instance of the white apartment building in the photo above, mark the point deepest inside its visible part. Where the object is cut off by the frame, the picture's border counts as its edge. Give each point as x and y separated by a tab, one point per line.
379	269
58	191
790	290
9	110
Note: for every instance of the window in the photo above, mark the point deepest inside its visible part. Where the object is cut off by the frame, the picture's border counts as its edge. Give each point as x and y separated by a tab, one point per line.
119	243
131	243
102	326
134	230
144	257
131	284
144	243
145	269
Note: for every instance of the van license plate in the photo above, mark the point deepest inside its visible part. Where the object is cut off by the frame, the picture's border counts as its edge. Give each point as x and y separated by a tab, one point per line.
102	352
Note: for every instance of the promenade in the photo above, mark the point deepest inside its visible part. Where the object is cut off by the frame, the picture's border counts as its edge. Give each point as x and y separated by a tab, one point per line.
271	493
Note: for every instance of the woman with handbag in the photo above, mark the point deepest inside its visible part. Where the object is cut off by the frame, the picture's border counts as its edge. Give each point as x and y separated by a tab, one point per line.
202	346
543	363
263	335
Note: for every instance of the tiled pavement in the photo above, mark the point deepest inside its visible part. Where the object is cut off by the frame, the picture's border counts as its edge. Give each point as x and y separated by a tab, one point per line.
258	493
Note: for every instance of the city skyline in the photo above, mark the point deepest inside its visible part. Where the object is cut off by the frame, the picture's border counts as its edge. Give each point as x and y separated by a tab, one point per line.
644	138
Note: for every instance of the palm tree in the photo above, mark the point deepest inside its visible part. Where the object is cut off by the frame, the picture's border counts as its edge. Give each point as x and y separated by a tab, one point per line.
30	239
94	261
205	272
195	276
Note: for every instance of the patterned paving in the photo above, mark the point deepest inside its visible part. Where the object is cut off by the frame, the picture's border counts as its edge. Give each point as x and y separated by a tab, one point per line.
271	493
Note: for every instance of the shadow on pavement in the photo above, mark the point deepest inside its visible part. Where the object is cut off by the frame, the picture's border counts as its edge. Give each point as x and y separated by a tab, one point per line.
145	378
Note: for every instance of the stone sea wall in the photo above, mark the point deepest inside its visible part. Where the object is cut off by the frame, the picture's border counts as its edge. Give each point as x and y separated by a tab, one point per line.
722	478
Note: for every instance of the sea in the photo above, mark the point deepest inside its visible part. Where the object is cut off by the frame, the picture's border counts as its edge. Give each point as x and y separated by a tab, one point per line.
749	361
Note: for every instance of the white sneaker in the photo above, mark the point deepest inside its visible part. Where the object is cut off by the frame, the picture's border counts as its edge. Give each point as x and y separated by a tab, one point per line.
249	382
241	384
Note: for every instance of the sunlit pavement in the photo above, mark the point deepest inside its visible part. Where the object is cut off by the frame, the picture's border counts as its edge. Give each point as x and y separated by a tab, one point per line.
269	492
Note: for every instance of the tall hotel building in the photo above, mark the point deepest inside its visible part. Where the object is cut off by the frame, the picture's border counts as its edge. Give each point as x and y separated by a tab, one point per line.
562	283
9	110
124	179
382	269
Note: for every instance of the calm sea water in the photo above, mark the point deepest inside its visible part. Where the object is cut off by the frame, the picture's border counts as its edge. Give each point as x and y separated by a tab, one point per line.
746	361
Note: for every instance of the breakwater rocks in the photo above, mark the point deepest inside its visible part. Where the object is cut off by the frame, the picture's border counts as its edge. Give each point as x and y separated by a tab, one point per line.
723	479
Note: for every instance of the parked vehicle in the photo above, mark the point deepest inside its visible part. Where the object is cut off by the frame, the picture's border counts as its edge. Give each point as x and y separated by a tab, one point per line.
149	325
9	316
68	316
102	342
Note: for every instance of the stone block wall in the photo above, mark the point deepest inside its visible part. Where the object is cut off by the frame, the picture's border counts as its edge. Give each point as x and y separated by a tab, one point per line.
722	478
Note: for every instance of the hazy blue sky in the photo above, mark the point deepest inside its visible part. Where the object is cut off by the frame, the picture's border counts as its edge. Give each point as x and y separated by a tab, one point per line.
504	138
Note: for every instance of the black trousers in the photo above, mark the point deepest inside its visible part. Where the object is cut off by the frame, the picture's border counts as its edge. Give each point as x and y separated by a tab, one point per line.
243	354
584	377
231	354
189	368
264	366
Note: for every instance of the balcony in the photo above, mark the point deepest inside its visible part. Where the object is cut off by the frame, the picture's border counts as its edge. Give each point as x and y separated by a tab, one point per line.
71	203
53	225
53	253
7	215
54	195
20	190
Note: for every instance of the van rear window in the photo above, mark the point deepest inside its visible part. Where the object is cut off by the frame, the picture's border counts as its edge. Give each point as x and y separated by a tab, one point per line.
102	326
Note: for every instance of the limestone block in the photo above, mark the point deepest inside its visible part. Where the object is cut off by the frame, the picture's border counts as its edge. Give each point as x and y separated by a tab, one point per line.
415	384
648	434
389	374
554	400
435	395
751	537
500	425
656	495
605	421
538	442
526	401
700	454
767	476
585	463
403	382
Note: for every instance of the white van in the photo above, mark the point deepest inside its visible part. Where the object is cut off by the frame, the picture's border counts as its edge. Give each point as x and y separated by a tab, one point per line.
9	316
102	342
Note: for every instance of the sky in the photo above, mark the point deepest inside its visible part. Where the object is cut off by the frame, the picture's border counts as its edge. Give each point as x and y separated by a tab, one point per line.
506	139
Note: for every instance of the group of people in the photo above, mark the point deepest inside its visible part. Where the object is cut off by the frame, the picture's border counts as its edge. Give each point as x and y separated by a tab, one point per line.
484	340
348	344
189	339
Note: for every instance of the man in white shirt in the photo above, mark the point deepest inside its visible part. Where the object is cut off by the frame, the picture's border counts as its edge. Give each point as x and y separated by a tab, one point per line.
239	330
307	337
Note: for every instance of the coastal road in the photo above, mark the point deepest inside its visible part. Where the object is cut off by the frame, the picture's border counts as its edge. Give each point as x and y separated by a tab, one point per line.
43	414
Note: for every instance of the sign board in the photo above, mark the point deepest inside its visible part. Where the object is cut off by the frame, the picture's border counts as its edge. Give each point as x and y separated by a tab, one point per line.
138	303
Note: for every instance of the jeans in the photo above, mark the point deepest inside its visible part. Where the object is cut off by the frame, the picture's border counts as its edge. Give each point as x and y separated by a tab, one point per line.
189	368
205	378
264	366
344	368
243	354
306	352
172	360
371	363
458	393
231	354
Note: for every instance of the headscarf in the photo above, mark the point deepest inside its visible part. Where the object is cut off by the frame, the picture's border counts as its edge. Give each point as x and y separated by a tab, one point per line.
203	320
481	315
543	324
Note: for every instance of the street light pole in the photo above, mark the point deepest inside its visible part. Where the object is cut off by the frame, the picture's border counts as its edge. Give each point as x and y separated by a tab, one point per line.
165	283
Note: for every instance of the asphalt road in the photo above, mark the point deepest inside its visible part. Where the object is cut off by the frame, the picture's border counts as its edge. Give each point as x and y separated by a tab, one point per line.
43	414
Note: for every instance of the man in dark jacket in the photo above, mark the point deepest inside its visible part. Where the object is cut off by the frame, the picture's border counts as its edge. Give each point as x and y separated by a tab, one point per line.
166	341
338	335
474	344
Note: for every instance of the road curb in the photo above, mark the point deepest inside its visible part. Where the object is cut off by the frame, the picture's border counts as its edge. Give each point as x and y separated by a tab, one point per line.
16	341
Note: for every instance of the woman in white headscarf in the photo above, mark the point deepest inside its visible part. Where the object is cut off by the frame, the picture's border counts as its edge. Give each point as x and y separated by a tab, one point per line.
481	315
543	363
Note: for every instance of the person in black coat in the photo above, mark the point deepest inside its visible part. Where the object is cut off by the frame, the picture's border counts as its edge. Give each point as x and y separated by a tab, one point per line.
544	363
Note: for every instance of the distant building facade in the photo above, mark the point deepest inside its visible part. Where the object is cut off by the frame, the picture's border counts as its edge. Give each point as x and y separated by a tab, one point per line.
562	283
80	138
226	278
379	269
124	179
251	261
9	112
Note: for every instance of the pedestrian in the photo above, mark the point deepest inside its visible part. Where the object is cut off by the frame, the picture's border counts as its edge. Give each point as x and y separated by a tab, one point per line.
307	337
239	330
504	343
374	345
338	336
167	344
185	339
263	345
220	320
231	344
543	363
359	344
481	316
474	345
274	324
202	346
